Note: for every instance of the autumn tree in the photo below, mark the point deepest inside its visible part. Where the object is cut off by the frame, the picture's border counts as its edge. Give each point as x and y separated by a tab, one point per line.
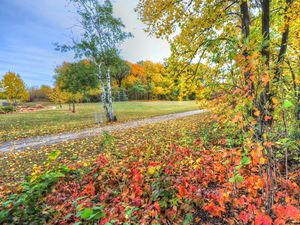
76	78
246	44
58	96
14	88
101	36
120	70
40	93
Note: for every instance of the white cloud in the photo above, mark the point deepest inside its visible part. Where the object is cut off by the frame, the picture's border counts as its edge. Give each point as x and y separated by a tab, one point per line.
31	52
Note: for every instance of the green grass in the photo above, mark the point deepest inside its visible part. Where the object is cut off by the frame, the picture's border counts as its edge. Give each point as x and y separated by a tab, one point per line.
21	125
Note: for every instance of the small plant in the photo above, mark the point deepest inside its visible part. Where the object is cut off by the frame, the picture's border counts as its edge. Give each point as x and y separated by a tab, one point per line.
108	140
27	206
6	109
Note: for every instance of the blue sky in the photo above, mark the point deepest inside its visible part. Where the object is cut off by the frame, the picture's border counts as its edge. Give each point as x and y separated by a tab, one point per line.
28	29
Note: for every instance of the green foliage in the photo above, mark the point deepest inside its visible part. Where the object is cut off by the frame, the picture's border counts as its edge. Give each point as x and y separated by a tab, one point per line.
76	77
102	33
107	141
7	109
27	207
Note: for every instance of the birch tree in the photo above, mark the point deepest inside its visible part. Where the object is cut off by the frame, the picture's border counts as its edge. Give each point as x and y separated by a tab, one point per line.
101	35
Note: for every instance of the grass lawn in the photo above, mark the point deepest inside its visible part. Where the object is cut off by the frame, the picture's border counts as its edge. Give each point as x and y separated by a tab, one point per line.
21	125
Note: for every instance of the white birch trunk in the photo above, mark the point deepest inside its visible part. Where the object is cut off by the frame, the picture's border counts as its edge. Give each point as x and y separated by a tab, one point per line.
103	94
109	96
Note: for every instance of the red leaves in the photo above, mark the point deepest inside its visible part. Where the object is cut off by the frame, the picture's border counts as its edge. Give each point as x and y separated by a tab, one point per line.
136	176
245	216
182	191
214	210
262	219
101	161
170	185
89	190
292	212
285	213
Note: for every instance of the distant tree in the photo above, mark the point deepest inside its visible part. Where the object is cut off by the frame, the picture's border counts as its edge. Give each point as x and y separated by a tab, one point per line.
40	93
137	91
153	75
136	75
120	71
14	88
100	39
2	96
76	78
58	97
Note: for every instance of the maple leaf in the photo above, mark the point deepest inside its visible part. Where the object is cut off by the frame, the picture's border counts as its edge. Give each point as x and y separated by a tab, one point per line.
182	191
279	211
262	219
292	212
245	217
279	222
213	209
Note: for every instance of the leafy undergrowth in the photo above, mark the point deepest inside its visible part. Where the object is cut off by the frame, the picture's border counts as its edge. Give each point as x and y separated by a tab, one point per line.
13	165
200	179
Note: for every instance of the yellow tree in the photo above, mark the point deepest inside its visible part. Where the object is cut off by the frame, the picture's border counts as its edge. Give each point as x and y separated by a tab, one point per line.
153	77
14	88
58	97
246	43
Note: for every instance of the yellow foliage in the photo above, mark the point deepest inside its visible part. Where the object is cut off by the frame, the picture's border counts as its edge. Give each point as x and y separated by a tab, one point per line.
14	88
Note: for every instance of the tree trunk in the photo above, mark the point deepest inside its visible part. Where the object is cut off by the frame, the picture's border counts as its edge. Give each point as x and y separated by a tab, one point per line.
284	42
120	83
265	104
103	94
112	117
266	31
73	103
245	20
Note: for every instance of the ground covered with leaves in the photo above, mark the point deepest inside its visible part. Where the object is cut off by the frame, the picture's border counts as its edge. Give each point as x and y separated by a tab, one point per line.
188	171
22	125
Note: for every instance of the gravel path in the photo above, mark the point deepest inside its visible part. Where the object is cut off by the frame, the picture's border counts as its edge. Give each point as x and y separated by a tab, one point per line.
38	141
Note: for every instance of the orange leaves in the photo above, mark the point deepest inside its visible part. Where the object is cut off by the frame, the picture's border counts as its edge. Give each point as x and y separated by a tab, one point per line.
214	210
285	213
262	219
101	161
182	191
265	79
245	216
257	113
275	101
156	182
257	156
292	212
136	176
89	190
253	184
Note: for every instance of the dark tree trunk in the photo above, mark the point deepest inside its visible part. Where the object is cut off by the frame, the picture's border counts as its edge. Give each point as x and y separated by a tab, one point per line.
284	43
120	83
73	110
265	104
266	31
245	21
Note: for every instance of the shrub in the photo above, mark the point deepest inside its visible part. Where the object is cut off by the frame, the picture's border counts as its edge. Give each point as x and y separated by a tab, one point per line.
6	109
